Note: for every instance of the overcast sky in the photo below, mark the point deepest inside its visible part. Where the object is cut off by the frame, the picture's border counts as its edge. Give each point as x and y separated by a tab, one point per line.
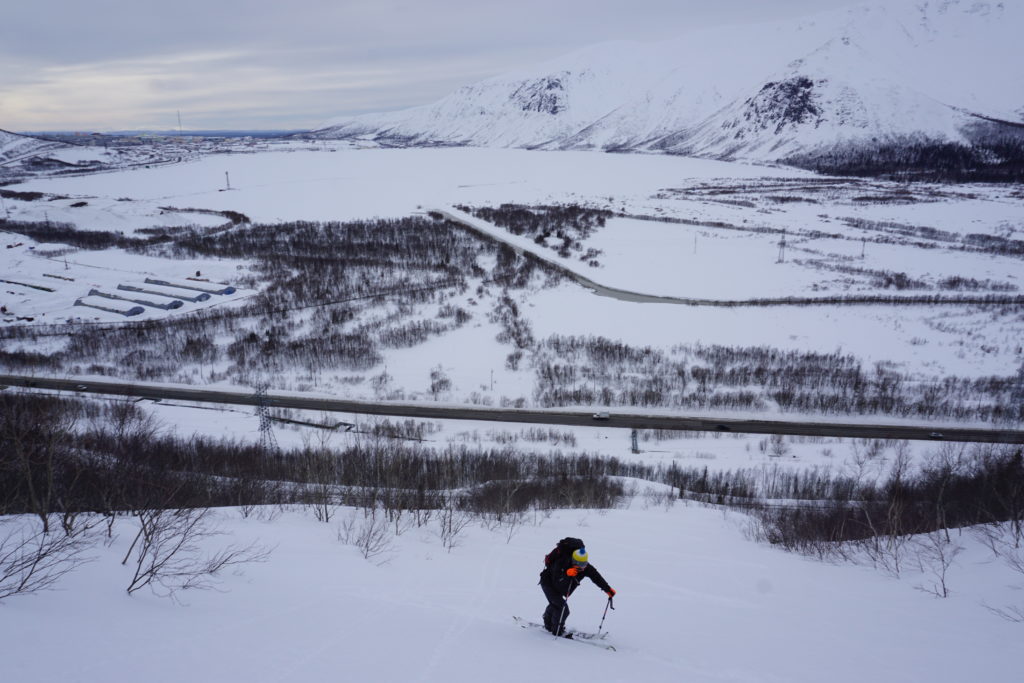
289	64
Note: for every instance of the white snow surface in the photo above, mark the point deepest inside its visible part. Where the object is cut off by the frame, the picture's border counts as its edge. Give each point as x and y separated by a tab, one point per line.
696	601
14	147
73	276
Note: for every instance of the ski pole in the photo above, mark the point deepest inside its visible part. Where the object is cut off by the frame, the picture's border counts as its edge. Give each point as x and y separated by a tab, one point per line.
559	627
607	605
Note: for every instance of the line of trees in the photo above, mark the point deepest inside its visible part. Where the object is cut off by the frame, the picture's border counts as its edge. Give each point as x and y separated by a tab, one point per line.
957	487
904	519
998	159
65	457
990	244
83	468
69	456
561	227
573	370
856	191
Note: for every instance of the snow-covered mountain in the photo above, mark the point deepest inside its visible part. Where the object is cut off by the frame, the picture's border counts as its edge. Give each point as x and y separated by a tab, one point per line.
932	71
14	146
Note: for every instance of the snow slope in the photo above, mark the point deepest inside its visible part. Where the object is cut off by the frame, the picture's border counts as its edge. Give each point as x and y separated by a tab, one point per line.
869	74
14	147
696	602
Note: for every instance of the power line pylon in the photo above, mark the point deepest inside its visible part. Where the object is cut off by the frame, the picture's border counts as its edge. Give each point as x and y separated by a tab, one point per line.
268	442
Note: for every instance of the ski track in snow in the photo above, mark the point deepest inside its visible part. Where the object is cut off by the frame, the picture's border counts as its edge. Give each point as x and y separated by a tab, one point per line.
460	622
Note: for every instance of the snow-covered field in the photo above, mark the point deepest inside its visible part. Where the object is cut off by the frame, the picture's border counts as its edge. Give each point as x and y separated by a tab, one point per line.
337	182
42	283
726	247
696	601
828	252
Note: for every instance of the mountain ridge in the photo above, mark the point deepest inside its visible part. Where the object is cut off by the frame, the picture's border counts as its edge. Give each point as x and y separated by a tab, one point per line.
868	76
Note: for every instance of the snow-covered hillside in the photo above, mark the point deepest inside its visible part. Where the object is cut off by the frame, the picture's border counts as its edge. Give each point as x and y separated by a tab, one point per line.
870	75
14	147
696	602
25	156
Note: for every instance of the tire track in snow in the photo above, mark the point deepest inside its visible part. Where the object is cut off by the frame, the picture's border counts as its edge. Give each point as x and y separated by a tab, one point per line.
462	620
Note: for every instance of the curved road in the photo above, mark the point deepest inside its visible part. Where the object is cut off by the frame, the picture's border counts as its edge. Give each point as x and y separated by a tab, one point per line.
495	234
556	416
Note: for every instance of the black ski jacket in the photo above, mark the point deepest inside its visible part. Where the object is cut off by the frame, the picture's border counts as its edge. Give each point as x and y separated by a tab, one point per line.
555	575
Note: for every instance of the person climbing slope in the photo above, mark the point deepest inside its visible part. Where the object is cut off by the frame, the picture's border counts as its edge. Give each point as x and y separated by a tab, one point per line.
565	567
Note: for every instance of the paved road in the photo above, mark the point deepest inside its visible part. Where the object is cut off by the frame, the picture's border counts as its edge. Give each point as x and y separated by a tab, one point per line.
548	417
640	297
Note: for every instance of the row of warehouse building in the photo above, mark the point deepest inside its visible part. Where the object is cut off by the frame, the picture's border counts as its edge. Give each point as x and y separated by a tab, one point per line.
132	298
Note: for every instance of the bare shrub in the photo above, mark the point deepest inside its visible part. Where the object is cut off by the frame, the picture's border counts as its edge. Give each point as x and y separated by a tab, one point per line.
935	554
660	497
320	472
367	532
33	560
440	383
552	436
1005	544
166	555
36	455
452	521
778	447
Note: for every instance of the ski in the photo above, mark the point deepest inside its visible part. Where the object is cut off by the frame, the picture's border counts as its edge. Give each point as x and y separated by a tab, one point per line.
576	636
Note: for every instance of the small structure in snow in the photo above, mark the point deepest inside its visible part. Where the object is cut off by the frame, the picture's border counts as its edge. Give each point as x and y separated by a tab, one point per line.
199	285
125	308
159	290
140	298
29	283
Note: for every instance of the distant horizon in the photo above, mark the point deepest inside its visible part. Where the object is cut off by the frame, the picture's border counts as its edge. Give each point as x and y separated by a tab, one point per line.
163	131
137	65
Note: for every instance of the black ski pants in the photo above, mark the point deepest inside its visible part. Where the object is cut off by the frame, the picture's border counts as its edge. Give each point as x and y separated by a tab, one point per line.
557	610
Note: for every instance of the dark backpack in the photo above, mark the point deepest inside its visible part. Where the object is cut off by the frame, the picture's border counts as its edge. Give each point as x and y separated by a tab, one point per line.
563	549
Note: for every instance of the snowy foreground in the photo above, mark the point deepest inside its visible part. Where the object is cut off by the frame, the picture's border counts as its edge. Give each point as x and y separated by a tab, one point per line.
697	601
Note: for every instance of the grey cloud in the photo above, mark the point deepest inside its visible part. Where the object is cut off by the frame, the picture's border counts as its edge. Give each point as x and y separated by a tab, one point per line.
128	63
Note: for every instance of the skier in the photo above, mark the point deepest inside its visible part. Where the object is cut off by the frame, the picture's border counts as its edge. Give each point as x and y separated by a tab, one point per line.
564	568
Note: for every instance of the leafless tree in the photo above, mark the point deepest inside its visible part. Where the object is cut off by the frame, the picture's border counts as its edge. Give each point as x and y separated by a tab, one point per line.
1003	543
32	559
166	554
453	521
35	448
778	446
947	463
659	497
321	490
439	382
370	535
936	553
513	522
